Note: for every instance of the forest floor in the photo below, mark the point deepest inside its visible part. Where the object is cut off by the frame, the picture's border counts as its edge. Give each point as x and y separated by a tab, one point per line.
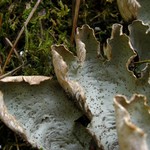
50	24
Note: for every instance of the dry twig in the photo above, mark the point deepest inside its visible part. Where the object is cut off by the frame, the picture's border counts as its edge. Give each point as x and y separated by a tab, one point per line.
20	33
9	42
75	18
11	72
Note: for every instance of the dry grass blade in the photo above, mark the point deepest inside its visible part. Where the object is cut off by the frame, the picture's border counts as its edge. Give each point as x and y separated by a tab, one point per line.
17	146
75	18
9	42
20	33
11	72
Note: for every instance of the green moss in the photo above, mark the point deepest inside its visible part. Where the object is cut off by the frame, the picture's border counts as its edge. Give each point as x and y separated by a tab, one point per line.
49	25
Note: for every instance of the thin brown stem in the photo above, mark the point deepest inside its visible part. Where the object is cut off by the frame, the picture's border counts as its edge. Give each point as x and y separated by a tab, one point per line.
75	18
9	42
11	72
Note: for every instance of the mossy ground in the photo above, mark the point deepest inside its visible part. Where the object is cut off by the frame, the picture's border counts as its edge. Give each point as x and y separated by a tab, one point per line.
50	24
